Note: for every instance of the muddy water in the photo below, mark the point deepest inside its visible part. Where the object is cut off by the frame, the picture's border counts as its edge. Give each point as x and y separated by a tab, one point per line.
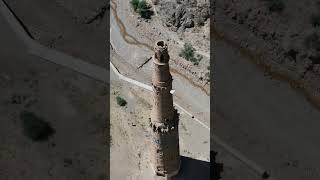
133	41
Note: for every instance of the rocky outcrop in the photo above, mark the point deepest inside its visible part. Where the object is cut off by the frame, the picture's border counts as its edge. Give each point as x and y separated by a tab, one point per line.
182	14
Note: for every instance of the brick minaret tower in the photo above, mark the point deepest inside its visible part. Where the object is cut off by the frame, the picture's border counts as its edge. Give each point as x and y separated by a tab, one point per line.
164	118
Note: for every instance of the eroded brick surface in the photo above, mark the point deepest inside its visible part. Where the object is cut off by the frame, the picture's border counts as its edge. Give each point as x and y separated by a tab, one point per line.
164	118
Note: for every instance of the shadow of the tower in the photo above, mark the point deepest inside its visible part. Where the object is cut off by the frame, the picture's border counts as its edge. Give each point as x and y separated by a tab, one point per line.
192	169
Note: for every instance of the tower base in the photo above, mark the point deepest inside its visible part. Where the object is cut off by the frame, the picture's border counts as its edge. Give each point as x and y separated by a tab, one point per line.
166	176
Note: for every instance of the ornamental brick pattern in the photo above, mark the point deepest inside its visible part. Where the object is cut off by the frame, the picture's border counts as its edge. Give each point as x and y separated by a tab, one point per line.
164	117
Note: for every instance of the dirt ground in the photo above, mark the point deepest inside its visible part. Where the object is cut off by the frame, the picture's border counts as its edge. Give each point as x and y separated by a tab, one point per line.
128	134
283	41
130	142
264	118
74	105
132	40
144	33
77	28
271	58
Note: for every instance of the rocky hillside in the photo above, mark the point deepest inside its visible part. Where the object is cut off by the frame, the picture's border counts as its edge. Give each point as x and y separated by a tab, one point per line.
189	22
182	14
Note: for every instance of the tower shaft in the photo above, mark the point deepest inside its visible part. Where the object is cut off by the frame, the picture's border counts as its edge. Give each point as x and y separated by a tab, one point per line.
164	118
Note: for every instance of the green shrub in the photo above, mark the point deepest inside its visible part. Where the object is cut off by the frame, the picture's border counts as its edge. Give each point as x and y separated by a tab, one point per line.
35	127
121	101
135	4
142	7
188	53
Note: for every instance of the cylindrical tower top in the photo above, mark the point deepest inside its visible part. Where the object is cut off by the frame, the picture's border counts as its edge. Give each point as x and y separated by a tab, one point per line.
161	52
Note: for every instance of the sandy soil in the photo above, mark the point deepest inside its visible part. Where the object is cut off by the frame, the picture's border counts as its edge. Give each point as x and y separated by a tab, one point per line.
264	56
139	32
131	46
64	25
73	104
283	43
129	132
132	50
264	118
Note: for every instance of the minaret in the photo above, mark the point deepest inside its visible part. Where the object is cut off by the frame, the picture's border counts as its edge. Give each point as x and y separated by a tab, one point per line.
164	118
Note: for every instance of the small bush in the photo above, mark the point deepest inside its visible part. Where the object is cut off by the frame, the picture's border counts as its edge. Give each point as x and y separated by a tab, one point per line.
121	101
188	53
135	4
142	7
276	5
35	127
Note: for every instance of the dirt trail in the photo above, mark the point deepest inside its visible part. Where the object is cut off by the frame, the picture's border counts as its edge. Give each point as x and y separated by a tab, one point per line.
125	35
133	41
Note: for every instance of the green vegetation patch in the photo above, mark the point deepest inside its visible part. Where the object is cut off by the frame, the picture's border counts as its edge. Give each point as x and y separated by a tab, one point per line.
35	127
135	4
121	101
188	53
142	7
